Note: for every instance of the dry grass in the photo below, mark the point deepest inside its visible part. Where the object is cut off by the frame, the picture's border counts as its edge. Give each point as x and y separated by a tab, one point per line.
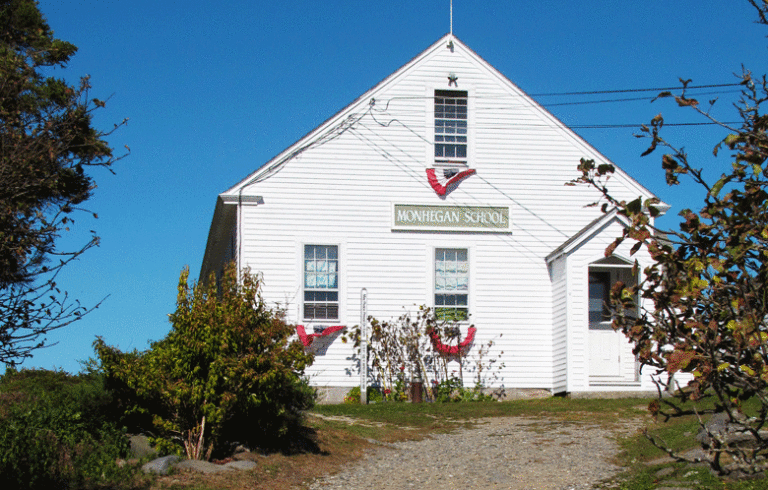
343	433
338	441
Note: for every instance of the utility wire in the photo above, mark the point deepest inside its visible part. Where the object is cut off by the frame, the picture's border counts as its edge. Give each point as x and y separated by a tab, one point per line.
502	126
587	92
628	90
421	179
353	119
666	124
631	99
505	107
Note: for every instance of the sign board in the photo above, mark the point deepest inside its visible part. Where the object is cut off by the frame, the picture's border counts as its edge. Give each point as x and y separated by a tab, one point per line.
450	218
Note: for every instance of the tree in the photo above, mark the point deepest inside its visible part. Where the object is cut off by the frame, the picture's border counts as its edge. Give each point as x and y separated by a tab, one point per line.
46	144
226	371
702	308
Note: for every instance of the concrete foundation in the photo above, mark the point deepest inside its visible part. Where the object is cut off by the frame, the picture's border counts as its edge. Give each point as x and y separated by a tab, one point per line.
328	395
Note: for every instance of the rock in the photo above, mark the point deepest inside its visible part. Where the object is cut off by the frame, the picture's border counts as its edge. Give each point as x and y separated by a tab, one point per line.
160	466
665	472
140	447
241	465
719	425
695	453
202	466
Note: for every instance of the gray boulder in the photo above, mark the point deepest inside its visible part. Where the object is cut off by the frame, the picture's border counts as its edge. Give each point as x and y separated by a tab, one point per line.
719	425
202	466
160	466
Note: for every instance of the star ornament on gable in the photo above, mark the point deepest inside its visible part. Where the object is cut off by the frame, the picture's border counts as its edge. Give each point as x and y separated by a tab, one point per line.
451	179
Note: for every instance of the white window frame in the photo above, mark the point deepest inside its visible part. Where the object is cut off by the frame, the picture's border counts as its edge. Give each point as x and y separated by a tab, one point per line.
429	135
469	280
451	126
305	289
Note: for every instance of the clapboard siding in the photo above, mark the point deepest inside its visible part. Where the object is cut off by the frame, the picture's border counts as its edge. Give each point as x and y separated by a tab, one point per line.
342	191
578	263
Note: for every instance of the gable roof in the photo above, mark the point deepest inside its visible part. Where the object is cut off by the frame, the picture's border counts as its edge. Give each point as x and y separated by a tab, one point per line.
349	115
585	233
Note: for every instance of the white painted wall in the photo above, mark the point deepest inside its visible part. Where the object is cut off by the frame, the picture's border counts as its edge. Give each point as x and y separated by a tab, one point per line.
342	192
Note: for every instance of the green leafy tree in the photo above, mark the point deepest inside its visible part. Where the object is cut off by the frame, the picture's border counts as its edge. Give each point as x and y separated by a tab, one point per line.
227	371
46	144
703	304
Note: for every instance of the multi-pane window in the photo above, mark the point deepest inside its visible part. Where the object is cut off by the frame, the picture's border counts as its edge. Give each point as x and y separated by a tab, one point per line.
599	296
451	284
450	126
321	282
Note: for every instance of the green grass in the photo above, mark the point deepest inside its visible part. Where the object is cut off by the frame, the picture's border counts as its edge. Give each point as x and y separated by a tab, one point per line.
644	478
427	414
639	454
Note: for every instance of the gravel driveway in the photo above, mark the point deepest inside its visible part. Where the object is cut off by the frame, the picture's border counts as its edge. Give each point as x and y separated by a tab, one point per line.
498	453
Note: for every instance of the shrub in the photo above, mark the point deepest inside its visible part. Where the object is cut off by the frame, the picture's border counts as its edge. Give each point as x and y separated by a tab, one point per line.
226	372
422	346
372	393
453	390
56	433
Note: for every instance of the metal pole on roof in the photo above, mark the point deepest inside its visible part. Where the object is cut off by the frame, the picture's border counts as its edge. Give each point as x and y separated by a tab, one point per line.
363	346
451	17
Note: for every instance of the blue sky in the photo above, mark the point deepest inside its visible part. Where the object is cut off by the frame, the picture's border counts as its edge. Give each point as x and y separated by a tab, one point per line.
213	90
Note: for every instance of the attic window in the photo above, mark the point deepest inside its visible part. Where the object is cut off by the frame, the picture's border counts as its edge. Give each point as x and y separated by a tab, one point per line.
451	127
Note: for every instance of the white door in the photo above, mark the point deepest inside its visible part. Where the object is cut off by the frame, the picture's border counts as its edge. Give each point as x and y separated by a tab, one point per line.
604	353
605	344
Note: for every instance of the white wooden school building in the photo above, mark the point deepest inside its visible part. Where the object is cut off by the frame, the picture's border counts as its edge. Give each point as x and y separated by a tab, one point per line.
443	185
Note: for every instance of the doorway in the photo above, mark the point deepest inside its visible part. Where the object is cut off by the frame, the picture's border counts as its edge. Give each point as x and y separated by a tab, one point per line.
610	353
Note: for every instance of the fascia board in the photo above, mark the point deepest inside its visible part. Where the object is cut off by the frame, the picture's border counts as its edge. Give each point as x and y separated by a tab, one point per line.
577	239
331	122
230	199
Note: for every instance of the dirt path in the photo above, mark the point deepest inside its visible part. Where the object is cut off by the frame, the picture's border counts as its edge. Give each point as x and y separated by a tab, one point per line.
498	453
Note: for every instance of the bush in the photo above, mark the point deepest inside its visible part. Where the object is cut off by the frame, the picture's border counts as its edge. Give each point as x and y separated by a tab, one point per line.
56	433
452	390
372	394
225	373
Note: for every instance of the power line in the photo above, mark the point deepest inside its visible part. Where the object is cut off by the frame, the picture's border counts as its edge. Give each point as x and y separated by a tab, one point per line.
628	90
666	124
517	125
588	92
353	119
631	99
